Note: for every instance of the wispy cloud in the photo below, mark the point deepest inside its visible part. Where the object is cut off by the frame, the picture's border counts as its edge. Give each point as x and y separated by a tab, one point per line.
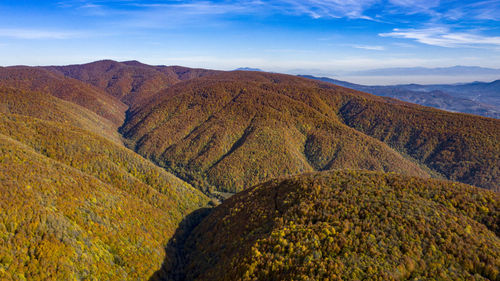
443	37
404	45
353	9
204	7
416	6
480	10
38	34
376	10
327	8
368	47
313	8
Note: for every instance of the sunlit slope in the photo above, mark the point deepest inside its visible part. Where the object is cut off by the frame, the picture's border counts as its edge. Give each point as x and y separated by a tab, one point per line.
68	89
347	225
47	107
130	81
235	130
75	205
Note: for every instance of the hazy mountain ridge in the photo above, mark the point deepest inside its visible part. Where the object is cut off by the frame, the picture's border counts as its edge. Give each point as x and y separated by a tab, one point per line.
485	92
445	97
248	69
409	71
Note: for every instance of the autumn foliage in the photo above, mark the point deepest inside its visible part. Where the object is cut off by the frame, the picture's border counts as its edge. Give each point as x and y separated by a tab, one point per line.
349	225
76	205
229	131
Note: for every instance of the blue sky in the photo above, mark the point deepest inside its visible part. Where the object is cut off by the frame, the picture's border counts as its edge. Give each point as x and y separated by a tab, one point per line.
327	36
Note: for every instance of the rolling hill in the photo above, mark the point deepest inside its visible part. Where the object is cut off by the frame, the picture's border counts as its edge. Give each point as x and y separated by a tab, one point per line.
345	225
229	131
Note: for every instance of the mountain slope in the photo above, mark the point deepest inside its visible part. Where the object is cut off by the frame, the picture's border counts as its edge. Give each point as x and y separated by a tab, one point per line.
462	147
129	81
47	107
68	89
236	129
231	131
423	95
75	205
347	225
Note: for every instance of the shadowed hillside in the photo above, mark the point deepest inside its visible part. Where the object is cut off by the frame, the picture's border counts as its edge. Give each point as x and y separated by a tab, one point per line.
236	129
462	147
347	225
75	205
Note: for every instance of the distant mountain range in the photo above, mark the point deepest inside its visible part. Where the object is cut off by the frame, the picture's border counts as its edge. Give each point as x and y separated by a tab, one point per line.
478	98
248	69
410	71
487	93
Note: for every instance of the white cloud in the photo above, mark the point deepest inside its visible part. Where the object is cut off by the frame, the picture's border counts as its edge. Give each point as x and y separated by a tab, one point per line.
443	37
37	34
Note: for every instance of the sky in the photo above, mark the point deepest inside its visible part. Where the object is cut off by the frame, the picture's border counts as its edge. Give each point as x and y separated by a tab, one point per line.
321	37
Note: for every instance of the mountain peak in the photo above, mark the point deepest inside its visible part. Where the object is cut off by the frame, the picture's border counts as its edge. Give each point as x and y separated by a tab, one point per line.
248	69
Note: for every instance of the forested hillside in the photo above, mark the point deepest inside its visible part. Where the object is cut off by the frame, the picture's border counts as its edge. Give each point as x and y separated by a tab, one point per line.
68	89
228	132
75	203
462	147
129	81
347	225
47	107
233	130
